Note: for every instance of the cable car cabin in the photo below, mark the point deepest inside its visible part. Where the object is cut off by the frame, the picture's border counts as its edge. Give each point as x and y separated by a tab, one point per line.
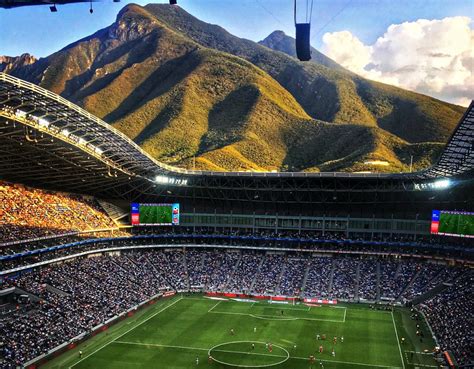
303	47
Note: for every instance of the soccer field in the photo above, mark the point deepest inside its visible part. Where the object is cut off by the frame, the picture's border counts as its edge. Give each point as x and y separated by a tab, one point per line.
155	214
175	332
456	224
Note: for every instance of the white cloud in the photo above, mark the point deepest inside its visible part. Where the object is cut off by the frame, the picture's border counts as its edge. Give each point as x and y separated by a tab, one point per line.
434	57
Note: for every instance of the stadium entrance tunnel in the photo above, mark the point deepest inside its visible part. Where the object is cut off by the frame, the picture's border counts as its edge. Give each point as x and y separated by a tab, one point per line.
248	354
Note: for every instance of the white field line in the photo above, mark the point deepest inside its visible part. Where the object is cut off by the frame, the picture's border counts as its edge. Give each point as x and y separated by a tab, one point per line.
251	353
128	330
398	341
274	317
212	308
280	308
199	349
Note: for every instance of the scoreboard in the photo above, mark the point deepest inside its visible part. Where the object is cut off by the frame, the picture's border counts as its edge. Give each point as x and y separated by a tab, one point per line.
452	223
155	214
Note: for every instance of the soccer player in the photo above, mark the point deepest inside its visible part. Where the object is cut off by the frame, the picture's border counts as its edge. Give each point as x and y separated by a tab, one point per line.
232	331
334	340
321	349
254	329
209	359
294	347
323	337
403	340
333	352
318	337
311	359
197	361
270	347
253	346
342	339
80	353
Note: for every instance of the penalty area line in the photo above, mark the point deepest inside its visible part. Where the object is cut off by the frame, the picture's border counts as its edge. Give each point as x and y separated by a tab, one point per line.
275	317
212	308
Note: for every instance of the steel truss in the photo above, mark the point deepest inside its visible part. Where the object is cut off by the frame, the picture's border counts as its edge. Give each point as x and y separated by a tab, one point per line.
46	141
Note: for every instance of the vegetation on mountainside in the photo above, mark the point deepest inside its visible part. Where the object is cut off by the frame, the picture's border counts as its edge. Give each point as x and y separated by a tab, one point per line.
326	93
168	81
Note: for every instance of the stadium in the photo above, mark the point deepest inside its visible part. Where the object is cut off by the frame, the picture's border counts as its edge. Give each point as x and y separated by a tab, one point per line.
114	259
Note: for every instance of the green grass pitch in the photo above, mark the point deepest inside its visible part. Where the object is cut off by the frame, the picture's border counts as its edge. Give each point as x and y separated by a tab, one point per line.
456	224
155	214
174	332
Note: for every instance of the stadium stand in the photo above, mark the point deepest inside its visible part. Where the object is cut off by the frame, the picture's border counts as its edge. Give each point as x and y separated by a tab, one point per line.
27	213
70	298
345	236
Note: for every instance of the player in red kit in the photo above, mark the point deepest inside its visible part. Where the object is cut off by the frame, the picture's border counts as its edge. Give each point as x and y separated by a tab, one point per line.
321	349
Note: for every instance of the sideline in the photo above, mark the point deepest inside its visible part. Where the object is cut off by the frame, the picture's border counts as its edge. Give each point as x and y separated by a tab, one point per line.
398	340
128	330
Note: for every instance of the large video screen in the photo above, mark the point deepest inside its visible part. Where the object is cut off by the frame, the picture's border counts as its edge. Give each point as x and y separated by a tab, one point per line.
155	214
452	223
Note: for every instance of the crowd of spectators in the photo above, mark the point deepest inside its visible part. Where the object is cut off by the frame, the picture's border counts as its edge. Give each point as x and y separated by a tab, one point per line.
368	279
450	316
344	278
243	275
267	276
186	236
73	297
293	276
27	213
318	277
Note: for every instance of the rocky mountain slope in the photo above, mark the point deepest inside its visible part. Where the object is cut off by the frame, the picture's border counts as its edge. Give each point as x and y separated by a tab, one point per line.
9	63
192	94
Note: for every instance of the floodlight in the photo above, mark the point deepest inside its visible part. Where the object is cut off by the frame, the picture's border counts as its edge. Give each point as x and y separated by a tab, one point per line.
441	184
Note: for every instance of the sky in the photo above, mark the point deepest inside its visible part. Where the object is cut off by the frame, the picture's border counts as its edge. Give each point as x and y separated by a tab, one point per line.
423	45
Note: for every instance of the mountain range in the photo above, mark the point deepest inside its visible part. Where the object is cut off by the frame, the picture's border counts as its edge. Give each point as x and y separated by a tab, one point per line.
193	95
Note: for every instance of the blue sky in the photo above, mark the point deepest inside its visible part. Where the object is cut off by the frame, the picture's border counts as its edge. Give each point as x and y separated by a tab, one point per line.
39	32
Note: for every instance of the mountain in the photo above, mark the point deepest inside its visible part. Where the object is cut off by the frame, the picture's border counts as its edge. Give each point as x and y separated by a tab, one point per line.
325	93
190	93
9	63
279	41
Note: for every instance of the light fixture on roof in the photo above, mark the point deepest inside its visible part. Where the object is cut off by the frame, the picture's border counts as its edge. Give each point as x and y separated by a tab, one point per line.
441	184
43	122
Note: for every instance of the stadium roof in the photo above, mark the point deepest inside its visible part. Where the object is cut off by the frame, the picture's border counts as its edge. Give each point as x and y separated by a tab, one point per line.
458	155
50	142
15	3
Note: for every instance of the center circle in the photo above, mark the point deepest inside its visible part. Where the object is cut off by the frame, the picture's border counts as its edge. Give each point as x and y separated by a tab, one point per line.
248	354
